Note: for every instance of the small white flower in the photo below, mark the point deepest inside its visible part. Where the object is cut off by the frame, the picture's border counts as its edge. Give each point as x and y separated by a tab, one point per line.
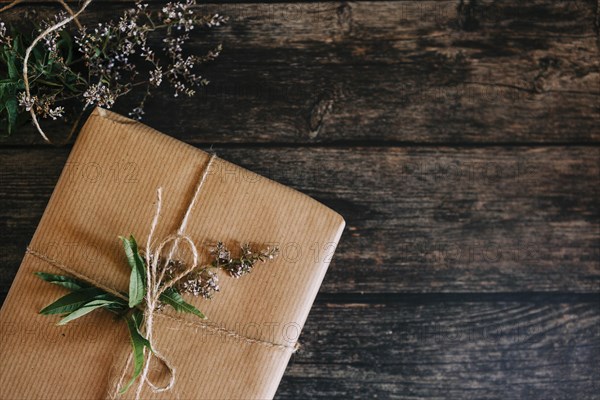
156	76
26	102
99	94
137	113
56	112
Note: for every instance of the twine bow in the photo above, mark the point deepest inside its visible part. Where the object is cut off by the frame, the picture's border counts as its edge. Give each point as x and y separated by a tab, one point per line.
157	286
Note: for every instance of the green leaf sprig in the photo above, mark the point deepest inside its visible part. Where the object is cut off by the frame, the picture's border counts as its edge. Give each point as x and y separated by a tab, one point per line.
71	69
85	298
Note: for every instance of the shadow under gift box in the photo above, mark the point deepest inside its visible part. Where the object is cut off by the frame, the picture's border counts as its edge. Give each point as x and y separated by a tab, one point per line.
243	348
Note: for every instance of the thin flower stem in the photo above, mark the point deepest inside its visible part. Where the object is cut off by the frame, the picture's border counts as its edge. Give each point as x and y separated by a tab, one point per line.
104	59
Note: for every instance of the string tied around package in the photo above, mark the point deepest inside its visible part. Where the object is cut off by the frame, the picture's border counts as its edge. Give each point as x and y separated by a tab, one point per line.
156	285
155	279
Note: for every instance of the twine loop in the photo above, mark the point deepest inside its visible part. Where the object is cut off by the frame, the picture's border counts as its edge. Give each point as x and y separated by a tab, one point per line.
156	285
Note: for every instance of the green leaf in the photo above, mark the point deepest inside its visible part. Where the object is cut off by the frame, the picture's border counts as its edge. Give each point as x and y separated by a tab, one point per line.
138	342
49	83
137	279
17	44
133	257
137	317
13	71
64	281
72	301
11	109
86	309
174	299
38	56
120	308
68	42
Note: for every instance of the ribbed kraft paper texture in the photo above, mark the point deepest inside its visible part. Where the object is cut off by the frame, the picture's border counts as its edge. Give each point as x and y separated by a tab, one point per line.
108	188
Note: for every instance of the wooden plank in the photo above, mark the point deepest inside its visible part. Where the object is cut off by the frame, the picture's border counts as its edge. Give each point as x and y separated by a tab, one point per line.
543	348
415	72
418	219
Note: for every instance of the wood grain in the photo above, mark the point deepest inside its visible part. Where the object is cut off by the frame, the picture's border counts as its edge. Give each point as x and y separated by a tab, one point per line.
418	219
408	72
452	347
459	139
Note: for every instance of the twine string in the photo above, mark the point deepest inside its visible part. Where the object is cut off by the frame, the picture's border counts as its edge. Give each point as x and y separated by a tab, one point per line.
154	279
62	2
41	36
184	222
10	5
72	17
154	282
196	325
76	274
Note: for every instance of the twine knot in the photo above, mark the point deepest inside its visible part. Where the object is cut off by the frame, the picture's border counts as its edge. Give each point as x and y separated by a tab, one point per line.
157	285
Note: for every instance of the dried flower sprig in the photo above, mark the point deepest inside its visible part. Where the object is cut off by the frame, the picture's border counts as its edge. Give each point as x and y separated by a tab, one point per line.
85	297
96	65
204	281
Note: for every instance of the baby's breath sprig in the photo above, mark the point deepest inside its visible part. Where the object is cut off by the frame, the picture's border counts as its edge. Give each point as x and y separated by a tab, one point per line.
97	64
204	281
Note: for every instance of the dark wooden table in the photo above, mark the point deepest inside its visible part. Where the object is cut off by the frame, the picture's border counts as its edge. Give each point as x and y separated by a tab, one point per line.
459	139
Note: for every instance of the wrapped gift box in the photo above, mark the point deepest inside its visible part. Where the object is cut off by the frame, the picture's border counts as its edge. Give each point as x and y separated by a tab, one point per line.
108	188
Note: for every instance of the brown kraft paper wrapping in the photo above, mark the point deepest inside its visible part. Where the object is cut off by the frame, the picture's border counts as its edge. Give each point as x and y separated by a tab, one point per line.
108	188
